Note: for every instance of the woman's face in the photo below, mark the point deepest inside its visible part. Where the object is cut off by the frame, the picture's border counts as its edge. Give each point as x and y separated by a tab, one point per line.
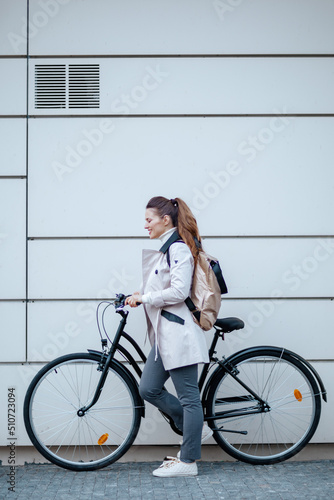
156	225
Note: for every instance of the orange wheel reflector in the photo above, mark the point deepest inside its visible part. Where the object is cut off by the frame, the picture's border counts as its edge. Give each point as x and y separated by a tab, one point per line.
298	395
103	438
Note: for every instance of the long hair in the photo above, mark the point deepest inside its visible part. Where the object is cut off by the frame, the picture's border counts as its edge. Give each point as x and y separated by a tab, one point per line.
182	218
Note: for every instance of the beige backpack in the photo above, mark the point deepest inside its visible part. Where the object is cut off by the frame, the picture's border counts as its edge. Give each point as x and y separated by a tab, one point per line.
207	287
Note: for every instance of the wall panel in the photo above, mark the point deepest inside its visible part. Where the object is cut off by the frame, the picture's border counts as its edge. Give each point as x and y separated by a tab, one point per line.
13	27
12	239
236	85
271	267
13	331
13	146
241	176
16	376
324	433
303	326
267	267
211	27
13	91
58	328
83	268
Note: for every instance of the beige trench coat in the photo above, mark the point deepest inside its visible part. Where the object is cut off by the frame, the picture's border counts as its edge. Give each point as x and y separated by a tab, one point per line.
170	324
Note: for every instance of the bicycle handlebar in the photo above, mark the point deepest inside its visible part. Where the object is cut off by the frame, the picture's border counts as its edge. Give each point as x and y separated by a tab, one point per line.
120	300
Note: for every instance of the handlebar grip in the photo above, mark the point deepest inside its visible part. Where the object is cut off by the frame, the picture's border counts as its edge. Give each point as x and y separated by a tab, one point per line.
121	300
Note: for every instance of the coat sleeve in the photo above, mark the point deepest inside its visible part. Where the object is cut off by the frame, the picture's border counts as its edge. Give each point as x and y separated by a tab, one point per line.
181	273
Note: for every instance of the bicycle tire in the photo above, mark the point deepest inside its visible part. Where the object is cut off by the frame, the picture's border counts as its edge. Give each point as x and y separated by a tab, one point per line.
51	403
272	436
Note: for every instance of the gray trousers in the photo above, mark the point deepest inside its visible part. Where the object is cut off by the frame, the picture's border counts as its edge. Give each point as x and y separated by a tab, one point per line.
185	409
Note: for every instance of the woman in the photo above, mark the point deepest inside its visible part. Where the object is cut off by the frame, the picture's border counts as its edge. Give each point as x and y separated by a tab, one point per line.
178	343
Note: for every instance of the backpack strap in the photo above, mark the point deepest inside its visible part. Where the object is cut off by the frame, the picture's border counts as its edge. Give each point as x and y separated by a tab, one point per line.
197	243
172	239
175	237
192	308
219	275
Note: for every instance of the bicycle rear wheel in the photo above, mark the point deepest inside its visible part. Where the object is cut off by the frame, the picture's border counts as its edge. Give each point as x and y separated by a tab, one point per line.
258	435
88	442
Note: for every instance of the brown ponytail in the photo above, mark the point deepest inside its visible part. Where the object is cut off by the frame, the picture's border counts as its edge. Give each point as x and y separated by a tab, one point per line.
181	217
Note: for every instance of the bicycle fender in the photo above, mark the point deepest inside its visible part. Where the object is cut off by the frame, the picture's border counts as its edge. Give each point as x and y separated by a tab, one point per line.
307	364
127	373
313	371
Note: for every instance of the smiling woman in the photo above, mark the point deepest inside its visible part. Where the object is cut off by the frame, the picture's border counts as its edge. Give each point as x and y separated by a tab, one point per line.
155	224
178	343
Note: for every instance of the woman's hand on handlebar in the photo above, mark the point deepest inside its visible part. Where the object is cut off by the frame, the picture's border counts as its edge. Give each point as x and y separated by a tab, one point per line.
134	300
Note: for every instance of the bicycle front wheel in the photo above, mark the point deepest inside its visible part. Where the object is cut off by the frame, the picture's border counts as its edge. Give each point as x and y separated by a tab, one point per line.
270	433
99	437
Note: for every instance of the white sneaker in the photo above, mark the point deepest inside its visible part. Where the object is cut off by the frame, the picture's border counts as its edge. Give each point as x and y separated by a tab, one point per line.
169	459
174	468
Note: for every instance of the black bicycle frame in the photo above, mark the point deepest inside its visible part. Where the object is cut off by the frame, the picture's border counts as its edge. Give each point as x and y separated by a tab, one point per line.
107	357
105	365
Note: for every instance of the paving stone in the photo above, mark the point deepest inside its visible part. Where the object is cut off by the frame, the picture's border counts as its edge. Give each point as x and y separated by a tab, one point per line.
216	481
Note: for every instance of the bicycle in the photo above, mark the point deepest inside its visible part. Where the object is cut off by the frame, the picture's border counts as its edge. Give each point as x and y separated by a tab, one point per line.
83	411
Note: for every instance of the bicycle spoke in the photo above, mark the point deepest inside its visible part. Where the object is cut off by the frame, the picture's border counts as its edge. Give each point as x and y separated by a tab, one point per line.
259	433
91	440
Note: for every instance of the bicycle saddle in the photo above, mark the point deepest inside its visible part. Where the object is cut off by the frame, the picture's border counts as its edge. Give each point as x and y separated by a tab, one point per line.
229	324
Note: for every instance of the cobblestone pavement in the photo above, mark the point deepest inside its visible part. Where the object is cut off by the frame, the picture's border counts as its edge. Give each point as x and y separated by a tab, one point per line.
216	480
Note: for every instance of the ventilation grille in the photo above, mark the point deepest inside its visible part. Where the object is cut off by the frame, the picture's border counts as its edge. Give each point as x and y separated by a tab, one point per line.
50	86
84	86
67	86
